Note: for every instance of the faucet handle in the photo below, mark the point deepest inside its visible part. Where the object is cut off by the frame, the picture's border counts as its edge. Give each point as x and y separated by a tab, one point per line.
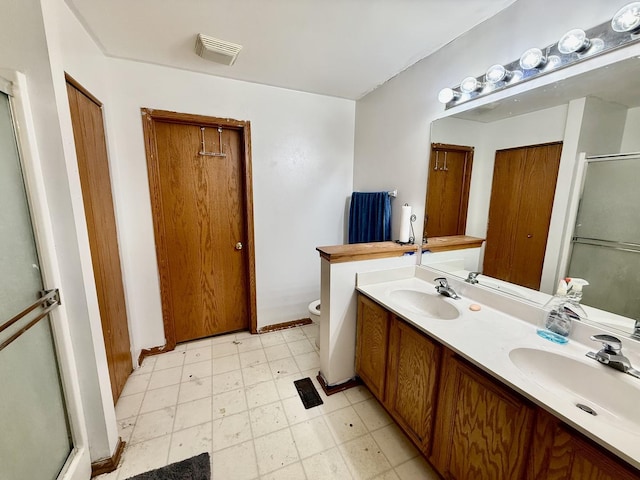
636	330
442	282
610	344
472	277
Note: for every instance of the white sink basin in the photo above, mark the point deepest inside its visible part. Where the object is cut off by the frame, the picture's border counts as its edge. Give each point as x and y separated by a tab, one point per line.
430	305
612	395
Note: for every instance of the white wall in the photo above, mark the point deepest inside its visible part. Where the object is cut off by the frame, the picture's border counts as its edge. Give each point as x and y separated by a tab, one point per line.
392	122
68	45
630	137
302	158
603	127
302	153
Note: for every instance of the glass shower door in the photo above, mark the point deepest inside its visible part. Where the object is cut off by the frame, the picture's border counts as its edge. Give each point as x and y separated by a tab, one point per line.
35	438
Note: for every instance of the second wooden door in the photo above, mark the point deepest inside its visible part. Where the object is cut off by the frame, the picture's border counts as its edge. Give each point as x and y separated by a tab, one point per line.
201	194
524	184
93	167
448	190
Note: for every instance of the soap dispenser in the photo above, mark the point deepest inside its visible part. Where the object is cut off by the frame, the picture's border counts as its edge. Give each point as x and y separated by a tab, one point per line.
555	325
574	295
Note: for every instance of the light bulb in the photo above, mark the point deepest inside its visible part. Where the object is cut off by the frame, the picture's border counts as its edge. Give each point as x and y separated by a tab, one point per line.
627	19
532	58
446	95
574	41
469	84
497	73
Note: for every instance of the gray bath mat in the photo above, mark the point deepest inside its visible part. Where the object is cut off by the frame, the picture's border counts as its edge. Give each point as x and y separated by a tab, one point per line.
194	468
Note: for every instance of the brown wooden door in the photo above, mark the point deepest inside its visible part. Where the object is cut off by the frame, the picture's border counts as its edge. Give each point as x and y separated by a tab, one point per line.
202	213
412	381
372	337
93	167
448	190
524	184
482	430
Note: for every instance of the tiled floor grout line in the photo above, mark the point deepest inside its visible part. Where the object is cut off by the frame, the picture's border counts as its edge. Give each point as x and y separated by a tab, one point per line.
246	400
175	413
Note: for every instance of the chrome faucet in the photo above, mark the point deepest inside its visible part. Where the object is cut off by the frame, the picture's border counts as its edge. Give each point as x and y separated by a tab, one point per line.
443	288
472	278
611	354
636	330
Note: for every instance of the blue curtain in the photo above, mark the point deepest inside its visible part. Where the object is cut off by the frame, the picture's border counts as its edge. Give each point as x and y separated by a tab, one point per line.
370	217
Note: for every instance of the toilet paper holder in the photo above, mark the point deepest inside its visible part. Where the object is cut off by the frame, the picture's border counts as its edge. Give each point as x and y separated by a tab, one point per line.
407	234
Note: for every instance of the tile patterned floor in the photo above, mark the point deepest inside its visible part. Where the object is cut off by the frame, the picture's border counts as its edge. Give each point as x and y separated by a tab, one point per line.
233	396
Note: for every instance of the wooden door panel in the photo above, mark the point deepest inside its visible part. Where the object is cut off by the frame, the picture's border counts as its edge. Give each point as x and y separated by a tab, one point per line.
372	337
412	380
448	190
202	229
559	453
93	168
540	175
522	192
482	430
503	208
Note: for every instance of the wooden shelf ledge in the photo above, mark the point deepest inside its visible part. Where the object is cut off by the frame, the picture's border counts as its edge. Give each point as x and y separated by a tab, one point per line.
453	242
364	251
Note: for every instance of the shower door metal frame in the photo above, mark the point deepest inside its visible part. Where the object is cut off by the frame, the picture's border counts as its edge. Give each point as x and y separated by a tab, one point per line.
14	84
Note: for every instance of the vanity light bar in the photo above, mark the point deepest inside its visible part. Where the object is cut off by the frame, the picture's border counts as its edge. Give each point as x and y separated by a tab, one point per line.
574	46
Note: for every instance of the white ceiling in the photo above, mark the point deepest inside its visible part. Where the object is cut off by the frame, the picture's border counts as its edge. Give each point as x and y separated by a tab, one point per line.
342	48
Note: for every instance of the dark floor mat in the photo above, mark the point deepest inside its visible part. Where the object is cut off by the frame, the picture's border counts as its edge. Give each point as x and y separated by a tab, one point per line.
308	393
194	468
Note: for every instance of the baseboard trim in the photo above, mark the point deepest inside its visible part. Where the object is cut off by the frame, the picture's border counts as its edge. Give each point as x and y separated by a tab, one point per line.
285	325
107	465
148	352
331	389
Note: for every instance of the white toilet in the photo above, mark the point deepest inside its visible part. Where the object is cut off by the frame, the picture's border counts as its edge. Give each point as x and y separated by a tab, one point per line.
314	312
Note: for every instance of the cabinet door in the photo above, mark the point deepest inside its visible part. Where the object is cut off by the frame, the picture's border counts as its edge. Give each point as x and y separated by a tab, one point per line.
412	379
559	453
372	335
482	430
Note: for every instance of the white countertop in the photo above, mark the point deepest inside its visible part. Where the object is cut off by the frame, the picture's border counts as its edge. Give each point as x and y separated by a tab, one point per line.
486	337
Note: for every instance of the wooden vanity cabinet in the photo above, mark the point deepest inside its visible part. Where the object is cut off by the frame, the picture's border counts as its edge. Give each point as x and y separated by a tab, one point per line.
482	430
560	453
412	379
372	338
469	425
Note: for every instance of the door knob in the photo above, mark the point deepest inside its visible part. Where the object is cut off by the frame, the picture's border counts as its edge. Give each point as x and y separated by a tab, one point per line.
239	246
530	235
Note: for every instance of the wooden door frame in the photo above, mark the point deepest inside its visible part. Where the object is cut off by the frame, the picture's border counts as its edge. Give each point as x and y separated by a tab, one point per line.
466	185
149	117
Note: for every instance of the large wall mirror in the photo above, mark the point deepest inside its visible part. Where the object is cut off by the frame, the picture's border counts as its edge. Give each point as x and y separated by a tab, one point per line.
594	117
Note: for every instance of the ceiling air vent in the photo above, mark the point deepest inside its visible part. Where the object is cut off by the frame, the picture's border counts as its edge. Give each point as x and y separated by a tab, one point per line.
217	50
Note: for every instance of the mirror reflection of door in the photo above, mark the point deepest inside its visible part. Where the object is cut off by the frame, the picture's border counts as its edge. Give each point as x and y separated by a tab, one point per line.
524	184
35	438
448	190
